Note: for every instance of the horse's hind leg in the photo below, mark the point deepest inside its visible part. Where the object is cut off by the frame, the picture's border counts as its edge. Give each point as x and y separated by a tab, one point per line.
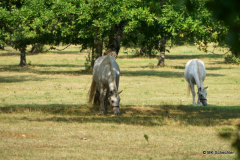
193	92
106	100
101	102
96	97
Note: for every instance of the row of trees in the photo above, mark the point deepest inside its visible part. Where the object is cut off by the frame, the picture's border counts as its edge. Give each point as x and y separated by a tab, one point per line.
99	24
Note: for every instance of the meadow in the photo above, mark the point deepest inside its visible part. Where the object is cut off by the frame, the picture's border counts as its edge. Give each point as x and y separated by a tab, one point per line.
44	112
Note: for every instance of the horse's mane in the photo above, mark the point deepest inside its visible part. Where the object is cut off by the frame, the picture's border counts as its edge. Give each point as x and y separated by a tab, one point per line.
199	73
105	62
113	54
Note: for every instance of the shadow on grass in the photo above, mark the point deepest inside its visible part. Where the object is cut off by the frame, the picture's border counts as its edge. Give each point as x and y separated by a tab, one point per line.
10	53
59	65
65	52
22	78
176	56
31	69
166	74
131	115
192	56
126	56
207	68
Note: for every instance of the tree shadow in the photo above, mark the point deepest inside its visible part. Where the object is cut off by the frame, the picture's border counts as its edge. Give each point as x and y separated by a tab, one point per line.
126	56
66	52
31	69
21	78
9	54
131	115
193	56
207	68
59	65
165	74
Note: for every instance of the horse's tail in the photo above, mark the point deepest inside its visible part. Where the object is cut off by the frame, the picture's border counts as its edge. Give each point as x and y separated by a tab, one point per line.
188	90
92	91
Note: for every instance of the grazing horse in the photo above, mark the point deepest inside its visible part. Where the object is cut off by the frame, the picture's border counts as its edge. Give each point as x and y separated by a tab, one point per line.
106	74
195	73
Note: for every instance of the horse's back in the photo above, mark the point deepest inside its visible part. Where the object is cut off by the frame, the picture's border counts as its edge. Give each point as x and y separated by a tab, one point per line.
191	69
100	68
99	61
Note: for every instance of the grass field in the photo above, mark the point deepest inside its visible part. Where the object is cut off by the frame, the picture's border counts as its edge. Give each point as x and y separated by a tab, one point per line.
44	112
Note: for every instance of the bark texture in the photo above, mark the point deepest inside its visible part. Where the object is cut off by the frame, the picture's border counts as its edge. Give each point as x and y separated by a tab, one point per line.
162	52
115	40
23	61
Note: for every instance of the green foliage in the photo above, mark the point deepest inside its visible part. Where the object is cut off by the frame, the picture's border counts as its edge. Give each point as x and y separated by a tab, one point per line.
146	23
221	19
232	59
175	22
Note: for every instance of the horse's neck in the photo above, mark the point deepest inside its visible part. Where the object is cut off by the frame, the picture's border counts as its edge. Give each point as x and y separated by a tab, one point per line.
199	78
112	84
111	79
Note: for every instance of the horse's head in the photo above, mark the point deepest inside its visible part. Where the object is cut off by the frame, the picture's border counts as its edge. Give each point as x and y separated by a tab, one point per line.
114	100
202	95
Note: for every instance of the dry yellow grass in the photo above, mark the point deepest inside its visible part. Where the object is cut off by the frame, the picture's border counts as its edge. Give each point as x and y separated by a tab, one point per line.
44	112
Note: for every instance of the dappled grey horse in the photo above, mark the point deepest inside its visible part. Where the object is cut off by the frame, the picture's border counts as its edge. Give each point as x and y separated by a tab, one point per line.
195	73
106	74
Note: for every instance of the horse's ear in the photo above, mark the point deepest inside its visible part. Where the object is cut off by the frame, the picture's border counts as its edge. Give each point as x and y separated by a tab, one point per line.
120	91
206	87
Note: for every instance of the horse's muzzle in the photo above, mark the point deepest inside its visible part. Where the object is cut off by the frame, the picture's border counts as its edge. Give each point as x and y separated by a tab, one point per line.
116	110
204	102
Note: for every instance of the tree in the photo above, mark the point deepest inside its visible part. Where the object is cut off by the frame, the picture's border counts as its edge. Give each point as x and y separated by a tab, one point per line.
176	23
229	13
225	15
15	25
89	23
75	22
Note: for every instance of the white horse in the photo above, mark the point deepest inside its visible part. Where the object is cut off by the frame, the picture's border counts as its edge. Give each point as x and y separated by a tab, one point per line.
195	73
106	74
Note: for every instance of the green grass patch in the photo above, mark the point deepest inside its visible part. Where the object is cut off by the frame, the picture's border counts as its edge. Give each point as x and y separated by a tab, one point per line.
44	110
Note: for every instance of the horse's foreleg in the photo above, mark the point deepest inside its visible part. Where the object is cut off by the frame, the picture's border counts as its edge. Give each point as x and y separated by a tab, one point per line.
96	97
193	93
198	101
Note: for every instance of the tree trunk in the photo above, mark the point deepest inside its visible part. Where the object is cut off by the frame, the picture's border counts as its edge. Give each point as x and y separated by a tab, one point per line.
23	61
143	51
162	52
149	52
99	48
235	53
96	50
161	59
115	40
36	48
1	46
